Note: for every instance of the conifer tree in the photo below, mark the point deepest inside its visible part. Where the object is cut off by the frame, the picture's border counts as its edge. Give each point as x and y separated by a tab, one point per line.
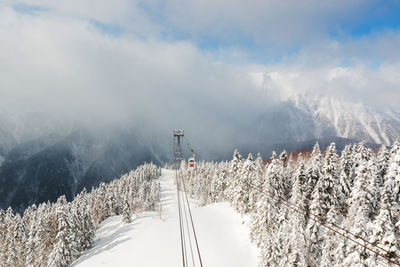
20	240
277	242
392	180
11	252
324	197
43	240
318	209
313	170
101	203
302	178
256	182
289	172
221	184
330	254
235	167
347	163
62	255
294	231
259	168
361	207
31	230
383	233
274	178
329	177
383	164
346	178
263	228
242	188
214	190
260	219
111	202
268	218
3	229
126	213
88	229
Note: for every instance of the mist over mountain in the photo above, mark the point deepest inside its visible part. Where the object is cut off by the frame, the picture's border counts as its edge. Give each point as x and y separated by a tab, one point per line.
308	114
41	161
45	168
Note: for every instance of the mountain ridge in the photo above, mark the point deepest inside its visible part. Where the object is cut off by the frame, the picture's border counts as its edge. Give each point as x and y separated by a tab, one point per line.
325	115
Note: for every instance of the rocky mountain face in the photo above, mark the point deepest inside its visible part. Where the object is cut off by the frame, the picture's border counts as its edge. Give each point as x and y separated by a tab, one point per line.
300	116
331	116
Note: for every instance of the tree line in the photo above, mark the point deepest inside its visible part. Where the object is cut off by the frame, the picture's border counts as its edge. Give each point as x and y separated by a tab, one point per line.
357	190
55	234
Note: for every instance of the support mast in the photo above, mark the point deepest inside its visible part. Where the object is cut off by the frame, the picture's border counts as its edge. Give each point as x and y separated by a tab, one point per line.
178	156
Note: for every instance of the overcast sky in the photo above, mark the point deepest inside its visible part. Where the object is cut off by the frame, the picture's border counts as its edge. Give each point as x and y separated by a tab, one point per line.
130	60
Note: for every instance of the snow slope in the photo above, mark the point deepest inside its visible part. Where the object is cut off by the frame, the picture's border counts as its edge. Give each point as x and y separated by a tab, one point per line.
152	239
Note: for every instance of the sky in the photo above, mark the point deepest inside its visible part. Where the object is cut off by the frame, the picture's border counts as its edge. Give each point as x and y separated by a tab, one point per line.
187	63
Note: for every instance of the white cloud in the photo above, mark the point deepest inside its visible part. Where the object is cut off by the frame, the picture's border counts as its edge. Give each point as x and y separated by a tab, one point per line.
127	15
358	84
59	62
65	66
100	10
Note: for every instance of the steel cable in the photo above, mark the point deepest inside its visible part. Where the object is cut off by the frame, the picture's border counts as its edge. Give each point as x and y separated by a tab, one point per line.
191	219
188	230
180	220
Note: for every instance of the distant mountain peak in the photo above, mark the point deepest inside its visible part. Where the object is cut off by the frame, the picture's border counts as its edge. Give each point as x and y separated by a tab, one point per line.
322	113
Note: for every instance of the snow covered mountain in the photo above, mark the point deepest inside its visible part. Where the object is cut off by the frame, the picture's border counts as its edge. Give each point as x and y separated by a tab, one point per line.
349	120
301	115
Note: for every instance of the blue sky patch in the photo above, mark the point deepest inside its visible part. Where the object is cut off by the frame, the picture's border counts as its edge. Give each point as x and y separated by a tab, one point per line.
28	9
108	29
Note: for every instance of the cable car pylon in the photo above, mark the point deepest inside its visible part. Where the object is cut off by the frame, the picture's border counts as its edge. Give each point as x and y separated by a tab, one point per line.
178	156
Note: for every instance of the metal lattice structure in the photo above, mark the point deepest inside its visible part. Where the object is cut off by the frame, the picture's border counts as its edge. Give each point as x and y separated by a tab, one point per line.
178	156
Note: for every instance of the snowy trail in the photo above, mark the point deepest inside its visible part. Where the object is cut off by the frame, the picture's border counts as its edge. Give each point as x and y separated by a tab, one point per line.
151	241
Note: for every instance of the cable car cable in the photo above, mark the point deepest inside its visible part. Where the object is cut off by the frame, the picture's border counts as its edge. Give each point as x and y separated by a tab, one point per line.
180	220
191	219
190	147
188	230
183	230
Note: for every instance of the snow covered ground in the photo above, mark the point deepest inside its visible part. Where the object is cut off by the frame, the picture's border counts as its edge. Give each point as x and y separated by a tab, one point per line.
152	239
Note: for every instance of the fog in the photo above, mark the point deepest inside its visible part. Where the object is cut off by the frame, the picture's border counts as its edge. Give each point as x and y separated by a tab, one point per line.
63	60
70	70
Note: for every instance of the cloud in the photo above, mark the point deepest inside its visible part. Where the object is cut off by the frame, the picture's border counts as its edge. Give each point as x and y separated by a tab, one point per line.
61	59
90	9
127	15
378	89
64	66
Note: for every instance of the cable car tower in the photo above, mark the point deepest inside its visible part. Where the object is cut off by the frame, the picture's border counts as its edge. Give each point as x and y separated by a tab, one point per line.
178	156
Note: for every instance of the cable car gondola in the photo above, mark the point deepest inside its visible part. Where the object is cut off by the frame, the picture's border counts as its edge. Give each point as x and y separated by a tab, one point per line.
191	162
